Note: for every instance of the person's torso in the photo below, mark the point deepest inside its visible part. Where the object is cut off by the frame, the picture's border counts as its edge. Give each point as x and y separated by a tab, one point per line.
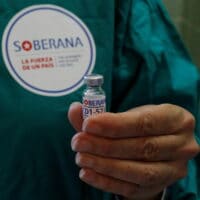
36	161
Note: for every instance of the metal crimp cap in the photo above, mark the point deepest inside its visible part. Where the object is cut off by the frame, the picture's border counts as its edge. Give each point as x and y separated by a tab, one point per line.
93	80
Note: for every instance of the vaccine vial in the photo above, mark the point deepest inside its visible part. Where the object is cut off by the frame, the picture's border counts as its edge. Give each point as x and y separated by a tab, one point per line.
94	98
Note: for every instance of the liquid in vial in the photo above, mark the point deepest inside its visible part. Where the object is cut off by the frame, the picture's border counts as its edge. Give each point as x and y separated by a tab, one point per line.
94	98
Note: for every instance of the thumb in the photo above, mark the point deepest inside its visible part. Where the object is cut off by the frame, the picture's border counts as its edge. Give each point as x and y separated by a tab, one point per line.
75	115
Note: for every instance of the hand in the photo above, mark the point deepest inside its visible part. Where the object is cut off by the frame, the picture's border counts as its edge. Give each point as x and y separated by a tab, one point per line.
136	153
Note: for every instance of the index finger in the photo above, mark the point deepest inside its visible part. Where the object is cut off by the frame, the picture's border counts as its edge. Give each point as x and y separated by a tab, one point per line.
148	120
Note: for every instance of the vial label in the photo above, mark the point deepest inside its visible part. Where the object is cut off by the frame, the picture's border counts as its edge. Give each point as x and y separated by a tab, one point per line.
93	105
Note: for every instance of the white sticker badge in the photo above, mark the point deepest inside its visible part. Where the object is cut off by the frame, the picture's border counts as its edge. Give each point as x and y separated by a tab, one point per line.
48	50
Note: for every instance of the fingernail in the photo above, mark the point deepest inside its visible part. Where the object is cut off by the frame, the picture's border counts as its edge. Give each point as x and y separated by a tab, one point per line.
74	104
84	161
91	127
86	176
80	145
73	145
82	174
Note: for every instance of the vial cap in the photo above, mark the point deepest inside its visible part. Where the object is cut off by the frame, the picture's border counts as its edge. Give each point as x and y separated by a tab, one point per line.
93	80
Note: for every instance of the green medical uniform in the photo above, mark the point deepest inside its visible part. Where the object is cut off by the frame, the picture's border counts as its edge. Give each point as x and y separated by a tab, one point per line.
143	62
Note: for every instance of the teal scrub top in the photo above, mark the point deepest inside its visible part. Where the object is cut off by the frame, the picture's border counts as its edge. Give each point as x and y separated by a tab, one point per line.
143	61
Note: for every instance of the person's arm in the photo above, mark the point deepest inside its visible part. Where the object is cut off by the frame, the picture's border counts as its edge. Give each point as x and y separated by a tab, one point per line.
153	67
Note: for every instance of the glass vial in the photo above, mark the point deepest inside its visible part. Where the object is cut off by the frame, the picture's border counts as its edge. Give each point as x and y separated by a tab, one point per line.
94	98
